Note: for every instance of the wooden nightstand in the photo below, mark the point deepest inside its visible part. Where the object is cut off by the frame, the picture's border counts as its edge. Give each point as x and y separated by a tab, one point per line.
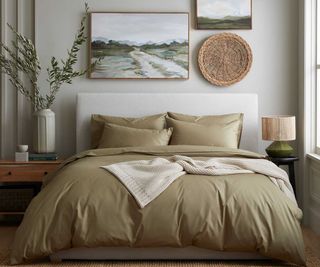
22	175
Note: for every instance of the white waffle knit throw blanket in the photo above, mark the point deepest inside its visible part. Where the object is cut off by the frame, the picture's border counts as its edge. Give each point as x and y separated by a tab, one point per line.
147	179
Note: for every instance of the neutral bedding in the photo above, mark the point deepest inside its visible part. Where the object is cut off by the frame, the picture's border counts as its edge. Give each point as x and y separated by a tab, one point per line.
210	130
98	121
121	136
147	179
83	205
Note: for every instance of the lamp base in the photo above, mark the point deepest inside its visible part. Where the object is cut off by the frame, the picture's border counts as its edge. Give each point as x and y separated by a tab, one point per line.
279	149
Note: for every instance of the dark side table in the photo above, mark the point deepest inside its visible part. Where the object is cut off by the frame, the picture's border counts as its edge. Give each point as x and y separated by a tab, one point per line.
290	163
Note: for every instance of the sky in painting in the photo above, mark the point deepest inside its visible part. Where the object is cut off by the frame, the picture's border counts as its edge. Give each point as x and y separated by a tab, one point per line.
140	28
222	8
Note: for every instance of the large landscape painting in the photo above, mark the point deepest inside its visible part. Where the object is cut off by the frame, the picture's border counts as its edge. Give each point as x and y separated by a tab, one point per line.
224	14
140	45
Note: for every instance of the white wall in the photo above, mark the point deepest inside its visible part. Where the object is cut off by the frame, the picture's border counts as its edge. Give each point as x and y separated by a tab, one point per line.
274	73
274	41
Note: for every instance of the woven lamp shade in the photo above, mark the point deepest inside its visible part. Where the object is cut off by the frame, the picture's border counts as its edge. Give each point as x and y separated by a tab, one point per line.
279	128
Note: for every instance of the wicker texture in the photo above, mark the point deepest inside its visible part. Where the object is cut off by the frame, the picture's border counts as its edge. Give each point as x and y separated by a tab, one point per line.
15	200
225	59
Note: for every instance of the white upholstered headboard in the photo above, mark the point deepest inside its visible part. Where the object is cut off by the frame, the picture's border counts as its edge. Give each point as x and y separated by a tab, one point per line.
136	105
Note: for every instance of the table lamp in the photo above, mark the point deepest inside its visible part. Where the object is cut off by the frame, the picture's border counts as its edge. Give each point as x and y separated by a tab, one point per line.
279	129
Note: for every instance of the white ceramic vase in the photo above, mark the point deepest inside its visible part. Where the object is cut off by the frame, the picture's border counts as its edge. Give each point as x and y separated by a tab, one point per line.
44	131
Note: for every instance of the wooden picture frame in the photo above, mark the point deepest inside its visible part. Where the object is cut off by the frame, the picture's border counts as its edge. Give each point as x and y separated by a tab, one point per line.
224	14
139	45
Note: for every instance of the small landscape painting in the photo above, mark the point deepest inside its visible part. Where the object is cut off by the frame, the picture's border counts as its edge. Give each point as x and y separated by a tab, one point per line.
224	14
140	45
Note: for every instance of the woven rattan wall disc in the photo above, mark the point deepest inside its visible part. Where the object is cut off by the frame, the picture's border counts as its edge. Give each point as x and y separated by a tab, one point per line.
225	59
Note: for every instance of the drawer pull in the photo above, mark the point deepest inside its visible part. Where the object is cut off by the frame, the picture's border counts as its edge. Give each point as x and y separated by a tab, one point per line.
45	173
9	173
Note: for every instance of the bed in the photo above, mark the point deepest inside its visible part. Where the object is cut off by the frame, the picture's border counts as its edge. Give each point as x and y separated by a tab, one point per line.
81	208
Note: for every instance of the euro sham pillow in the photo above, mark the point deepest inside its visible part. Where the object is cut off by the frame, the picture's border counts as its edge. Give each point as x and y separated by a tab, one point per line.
121	136
190	133
229	125
156	122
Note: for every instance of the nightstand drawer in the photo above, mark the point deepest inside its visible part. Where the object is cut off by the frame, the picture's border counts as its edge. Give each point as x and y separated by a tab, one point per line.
16	176
25	173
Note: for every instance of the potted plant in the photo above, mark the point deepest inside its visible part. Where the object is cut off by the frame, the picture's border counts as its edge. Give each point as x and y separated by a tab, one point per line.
22	57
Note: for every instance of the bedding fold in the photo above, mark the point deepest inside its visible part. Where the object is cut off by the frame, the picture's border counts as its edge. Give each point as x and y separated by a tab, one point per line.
147	179
83	205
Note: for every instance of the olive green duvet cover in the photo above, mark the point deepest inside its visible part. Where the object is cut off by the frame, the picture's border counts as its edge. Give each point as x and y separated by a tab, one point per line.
83	205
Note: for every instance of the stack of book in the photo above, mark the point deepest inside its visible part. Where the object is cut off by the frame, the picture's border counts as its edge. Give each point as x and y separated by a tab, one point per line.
43	156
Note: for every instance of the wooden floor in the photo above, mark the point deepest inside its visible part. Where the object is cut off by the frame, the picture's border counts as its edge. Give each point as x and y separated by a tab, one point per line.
312	241
7	234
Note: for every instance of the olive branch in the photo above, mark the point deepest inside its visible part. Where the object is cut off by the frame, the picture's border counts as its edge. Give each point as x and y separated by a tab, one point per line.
23	58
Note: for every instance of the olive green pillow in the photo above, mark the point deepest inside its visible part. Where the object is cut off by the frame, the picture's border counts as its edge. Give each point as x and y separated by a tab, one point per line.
229	125
156	122
120	136
190	133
